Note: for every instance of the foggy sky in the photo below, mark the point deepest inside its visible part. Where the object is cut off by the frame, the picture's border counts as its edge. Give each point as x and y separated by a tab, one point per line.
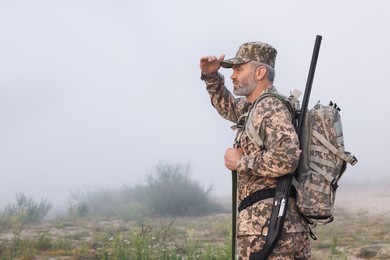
96	93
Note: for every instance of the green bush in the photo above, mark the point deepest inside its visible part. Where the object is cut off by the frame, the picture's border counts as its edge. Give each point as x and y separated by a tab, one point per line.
95	202
25	211
82	209
171	192
134	212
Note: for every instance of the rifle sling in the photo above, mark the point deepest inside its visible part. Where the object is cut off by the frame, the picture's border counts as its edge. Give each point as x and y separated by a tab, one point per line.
283	191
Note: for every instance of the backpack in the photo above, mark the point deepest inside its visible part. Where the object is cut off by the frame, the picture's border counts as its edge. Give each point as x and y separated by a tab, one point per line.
322	162
323	159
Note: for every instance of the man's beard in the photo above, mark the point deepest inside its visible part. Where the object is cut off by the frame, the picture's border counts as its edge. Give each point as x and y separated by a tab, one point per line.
246	87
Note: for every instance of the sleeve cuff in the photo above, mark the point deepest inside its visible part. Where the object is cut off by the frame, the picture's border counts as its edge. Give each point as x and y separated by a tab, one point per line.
209	77
245	163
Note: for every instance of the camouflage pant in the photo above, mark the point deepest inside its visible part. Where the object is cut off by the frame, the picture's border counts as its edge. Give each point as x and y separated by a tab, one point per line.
290	246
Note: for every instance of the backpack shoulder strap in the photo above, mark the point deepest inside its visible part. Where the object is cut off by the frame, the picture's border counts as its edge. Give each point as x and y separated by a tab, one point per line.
258	137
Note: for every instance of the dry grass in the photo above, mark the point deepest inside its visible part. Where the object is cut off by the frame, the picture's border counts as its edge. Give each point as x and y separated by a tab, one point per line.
361	230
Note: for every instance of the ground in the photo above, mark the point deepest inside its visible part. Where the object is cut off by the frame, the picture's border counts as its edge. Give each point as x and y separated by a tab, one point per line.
361	230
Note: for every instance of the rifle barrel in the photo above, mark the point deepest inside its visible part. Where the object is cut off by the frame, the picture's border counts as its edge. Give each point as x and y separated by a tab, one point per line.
309	83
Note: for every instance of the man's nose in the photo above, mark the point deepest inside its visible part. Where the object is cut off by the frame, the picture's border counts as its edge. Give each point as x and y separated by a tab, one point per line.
233	76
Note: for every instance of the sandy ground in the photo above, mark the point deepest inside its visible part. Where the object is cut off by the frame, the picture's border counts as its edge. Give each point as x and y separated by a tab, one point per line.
373	200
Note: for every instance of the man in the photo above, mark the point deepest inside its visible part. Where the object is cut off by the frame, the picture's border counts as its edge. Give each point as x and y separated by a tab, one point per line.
257	167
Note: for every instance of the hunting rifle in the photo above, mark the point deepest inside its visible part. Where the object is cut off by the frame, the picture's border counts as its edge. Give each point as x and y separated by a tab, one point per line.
283	187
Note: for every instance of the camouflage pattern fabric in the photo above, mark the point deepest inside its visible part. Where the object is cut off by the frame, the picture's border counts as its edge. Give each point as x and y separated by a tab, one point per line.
322	163
290	246
253	51
257	169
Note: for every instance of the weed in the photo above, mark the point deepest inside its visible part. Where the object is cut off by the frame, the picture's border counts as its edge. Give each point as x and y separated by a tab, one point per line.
79	235
119	248
324	245
158	243
45	241
368	252
334	244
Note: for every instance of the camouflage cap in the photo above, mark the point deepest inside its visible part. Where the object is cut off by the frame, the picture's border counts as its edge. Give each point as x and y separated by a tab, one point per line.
253	51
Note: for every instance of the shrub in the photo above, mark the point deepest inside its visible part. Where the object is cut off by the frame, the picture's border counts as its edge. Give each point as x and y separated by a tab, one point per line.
25	211
134	212
97	202
171	192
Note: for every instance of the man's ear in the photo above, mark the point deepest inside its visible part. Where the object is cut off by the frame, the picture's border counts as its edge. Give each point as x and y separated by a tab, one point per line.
261	72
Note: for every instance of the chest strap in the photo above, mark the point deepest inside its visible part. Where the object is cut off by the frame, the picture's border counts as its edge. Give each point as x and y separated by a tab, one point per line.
255	197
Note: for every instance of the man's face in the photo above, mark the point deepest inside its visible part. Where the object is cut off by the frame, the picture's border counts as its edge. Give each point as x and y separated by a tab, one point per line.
244	81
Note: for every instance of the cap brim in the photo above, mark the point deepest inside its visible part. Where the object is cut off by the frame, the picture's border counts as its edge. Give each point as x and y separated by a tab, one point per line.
233	61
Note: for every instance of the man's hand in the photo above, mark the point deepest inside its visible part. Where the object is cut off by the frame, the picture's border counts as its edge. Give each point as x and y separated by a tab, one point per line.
210	64
231	157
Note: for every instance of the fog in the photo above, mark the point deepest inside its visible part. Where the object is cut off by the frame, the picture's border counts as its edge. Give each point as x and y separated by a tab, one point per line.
96	93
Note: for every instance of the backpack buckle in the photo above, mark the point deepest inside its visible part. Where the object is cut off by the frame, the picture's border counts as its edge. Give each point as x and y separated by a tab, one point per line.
354	160
334	184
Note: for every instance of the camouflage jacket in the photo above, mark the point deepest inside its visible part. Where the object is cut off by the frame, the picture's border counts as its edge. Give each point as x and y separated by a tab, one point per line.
257	169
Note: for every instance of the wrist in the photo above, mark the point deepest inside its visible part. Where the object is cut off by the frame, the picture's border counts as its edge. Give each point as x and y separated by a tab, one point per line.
208	76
